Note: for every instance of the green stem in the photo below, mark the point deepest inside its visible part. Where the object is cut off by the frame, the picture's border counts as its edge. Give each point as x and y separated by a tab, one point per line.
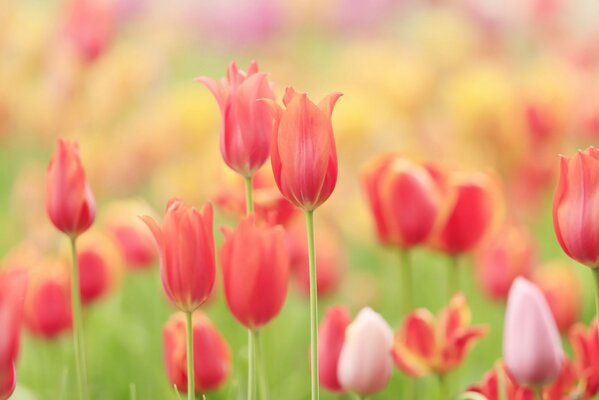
190	372
78	324
406	281
249	198
454	276
596	275
443	387
261	369
252	337
539	393
313	305
500	382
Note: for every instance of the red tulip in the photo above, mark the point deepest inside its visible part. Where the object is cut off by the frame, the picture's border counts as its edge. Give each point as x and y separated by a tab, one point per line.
48	304
211	355
489	387
8	381
186	246
331	336
563	292
585	343
575	208
330	263
246	122
255	267
69	200
303	154
473	211
404	198
100	266
425	344
509	254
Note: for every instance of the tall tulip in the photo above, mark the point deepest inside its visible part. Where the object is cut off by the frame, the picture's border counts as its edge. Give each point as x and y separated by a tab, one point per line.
255	268
576	211
331	336
365	363
187	262
71	208
532	349
406	204
304	162
13	285
212	360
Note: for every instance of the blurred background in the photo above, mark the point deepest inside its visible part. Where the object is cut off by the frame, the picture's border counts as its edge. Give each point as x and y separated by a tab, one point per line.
497	86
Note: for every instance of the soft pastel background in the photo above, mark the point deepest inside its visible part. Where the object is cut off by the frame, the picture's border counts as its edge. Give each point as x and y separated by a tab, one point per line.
502	86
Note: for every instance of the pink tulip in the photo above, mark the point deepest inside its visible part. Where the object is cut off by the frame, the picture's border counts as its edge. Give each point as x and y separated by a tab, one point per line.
365	361
531	344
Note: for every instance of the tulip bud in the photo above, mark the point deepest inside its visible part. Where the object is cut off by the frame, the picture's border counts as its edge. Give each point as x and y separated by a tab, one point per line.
331	336
47	310
302	151
69	200
186	246
211	355
510	253
13	286
246	122
255	268
404	199
8	381
474	210
135	242
575	208
365	358
563	292
531	344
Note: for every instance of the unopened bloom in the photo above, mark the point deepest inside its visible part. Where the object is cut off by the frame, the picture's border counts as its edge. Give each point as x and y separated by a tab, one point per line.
404	198
211	356
532	349
365	364
302	152
69	201
331	336
187	260
585	344
246	122
575	207
255	268
424	344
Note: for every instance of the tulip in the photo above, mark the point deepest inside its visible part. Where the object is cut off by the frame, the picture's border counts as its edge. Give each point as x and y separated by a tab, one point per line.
255	268
304	163
131	235
509	254
187	264
100	266
574	210
404	198
47	311
365	364
246	122
186	246
331	336
531	344
585	344
563	292
490	386
211	359
8	381
425	344
69	200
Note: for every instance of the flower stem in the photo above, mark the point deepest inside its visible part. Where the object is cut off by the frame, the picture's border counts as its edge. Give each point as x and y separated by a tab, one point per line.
190	371
252	336
596	275
406	281
454	276
539	392
313	305
443	389
500	382
261	368
78	324
249	197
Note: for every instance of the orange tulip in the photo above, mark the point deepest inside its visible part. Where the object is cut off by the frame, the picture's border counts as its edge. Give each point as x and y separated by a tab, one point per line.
69	200
425	344
303	154
575	208
404	198
489	386
247	123
509	254
255	268
211	356
563	291
186	246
